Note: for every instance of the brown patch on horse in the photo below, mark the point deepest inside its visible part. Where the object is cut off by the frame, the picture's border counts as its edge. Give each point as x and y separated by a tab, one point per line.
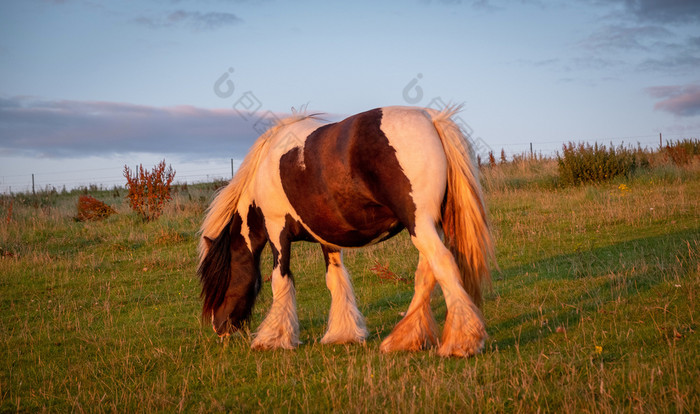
350	189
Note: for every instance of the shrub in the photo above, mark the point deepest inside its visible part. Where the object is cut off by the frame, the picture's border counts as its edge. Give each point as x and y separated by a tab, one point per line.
8	219
681	152
149	190
584	163
492	159
90	208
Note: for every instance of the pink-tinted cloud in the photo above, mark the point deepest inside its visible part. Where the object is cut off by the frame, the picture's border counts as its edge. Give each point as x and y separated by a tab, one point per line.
680	100
78	128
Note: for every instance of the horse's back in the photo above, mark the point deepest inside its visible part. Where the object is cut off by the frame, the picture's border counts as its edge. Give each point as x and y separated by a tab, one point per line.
363	179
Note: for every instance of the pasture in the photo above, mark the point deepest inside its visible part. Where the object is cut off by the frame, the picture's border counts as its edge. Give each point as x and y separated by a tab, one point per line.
592	309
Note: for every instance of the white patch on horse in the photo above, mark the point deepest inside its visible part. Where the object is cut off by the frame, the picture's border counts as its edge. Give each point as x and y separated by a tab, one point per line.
420	154
245	229
280	329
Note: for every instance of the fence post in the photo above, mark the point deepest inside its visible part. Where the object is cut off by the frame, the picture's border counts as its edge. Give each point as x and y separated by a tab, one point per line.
231	168
33	191
531	150
660	144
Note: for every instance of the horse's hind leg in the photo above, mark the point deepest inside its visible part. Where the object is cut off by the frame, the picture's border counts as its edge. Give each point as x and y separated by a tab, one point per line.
345	322
464	332
280	329
417	330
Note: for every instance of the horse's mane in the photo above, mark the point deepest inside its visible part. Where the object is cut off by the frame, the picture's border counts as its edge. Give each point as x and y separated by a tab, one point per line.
226	200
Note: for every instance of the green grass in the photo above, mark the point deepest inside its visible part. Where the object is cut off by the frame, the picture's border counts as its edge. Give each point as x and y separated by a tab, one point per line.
593	309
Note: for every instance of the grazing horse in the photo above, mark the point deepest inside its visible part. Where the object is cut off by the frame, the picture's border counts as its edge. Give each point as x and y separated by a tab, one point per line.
349	184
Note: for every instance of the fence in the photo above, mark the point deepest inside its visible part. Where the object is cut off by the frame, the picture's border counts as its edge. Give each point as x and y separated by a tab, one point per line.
106	178
102	178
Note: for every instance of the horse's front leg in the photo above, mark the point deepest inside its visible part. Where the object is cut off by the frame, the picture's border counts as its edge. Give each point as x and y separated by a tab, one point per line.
345	322
280	329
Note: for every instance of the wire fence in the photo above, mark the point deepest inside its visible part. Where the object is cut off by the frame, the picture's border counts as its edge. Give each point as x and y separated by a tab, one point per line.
108	178
100	178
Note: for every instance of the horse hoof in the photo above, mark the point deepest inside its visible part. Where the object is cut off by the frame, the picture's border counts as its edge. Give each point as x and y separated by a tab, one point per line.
339	339
274	343
460	351
464	334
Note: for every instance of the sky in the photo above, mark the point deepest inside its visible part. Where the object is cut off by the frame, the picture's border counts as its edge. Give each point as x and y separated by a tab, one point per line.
88	86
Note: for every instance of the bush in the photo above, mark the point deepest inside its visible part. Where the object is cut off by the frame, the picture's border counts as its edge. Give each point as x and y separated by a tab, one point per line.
584	163
681	152
90	208
149	190
492	159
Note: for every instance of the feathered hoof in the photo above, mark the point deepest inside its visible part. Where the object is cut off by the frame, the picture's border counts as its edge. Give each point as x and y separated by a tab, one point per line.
349	329
394	343
415	332
462	336
267	343
342	338
460	350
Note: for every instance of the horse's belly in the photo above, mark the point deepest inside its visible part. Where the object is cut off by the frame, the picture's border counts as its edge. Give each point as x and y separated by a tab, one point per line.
344	223
354	228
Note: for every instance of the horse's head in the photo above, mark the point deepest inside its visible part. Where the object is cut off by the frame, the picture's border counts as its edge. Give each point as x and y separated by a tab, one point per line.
230	274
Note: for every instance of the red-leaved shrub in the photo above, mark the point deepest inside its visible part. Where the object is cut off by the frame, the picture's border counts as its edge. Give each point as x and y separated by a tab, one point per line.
149	190
90	208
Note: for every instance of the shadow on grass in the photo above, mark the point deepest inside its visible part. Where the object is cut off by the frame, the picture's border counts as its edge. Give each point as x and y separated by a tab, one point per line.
594	278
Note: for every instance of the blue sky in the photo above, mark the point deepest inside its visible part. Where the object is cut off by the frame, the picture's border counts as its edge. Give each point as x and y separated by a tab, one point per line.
88	86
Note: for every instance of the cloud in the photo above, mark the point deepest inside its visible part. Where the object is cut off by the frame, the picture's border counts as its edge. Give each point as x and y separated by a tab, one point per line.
647	35
621	37
682	63
680	100
664	11
194	20
677	58
78	128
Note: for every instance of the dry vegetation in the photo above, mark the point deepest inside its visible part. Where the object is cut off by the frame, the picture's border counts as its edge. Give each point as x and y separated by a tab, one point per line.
592	309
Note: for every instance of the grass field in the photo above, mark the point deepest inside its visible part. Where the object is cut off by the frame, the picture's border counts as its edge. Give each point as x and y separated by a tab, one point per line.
593	309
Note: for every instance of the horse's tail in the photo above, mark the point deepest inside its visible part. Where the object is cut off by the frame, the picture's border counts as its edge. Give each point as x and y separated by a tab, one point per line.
464	219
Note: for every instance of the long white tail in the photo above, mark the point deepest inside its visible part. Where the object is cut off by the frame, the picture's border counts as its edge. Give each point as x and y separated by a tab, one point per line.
464	218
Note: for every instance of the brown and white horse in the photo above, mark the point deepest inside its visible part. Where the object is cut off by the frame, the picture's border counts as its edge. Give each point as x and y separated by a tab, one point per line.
349	184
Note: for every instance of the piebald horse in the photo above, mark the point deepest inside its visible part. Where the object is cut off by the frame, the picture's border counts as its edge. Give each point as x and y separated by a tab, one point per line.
349	184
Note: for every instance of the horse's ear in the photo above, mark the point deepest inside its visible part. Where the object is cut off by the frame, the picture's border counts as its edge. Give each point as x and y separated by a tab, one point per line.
207	241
